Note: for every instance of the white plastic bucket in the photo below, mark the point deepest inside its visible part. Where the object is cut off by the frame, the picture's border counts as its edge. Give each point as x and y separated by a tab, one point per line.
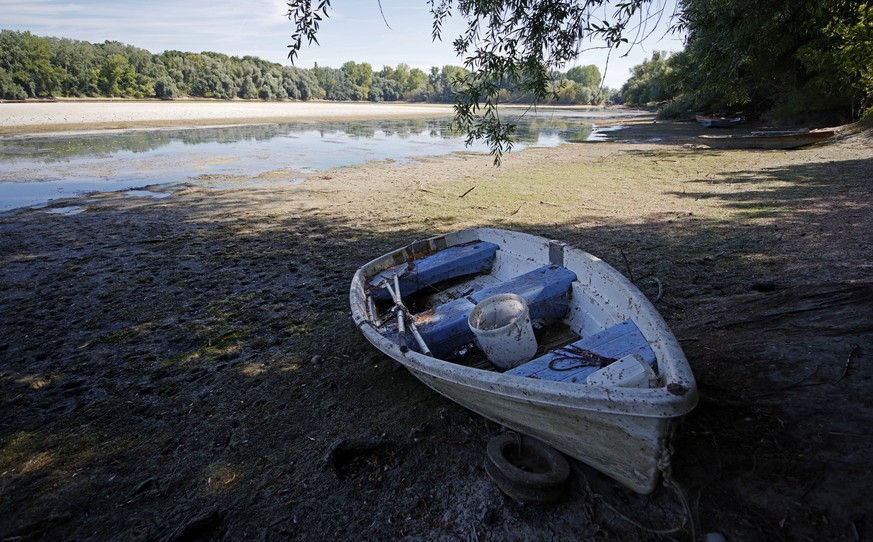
502	327
631	371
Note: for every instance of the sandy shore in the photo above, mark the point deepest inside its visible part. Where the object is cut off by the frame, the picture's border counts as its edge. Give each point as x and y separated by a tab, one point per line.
65	115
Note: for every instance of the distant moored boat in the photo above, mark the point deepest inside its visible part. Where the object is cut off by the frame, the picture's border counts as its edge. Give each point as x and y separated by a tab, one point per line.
767	140
714	121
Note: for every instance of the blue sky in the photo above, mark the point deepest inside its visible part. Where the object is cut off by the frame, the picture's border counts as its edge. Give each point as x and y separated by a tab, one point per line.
354	31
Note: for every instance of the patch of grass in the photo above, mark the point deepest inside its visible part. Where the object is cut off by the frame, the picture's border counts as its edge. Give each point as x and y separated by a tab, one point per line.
310	324
16	446
167	389
224	344
127	334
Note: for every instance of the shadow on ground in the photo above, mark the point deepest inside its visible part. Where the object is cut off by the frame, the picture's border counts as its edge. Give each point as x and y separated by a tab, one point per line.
187	370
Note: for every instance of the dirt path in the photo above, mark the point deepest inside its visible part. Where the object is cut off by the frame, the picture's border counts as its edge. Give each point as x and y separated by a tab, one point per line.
185	368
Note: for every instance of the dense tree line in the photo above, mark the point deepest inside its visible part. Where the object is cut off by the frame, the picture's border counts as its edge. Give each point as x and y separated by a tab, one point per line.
802	60
37	67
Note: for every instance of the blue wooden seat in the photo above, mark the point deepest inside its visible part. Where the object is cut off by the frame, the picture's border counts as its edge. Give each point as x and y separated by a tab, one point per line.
565	365
453	262
444	328
546	291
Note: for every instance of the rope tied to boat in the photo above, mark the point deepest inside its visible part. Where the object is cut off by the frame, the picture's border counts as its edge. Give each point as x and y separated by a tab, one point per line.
577	358
665	466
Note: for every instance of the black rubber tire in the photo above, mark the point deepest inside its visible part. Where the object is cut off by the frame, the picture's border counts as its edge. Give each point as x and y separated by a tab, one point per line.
537	474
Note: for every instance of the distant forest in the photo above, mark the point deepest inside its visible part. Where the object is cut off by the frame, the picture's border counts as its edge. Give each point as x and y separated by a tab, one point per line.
44	67
801	62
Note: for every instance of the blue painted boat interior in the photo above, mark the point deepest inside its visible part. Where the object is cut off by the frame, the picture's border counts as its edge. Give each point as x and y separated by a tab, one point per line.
567	365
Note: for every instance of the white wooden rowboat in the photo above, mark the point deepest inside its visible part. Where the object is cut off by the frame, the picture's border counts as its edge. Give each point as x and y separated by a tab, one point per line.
587	315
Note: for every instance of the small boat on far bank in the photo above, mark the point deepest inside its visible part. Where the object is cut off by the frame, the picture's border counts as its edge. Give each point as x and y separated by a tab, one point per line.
714	121
595	372
767	140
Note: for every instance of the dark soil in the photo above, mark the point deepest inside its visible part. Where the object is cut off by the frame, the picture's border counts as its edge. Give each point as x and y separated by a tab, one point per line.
186	368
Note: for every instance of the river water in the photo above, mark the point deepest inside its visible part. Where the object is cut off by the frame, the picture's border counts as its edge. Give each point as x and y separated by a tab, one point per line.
37	169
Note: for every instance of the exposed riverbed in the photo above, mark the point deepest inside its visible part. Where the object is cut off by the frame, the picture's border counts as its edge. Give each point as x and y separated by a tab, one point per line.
184	367
37	168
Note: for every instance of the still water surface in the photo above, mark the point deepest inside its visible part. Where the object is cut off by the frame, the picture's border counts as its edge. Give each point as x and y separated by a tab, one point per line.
35	170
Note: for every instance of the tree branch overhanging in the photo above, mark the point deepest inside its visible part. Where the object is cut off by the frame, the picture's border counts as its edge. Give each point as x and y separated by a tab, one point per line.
517	41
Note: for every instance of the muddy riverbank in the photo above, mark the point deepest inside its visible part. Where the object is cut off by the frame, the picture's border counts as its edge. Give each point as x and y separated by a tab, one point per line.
185	368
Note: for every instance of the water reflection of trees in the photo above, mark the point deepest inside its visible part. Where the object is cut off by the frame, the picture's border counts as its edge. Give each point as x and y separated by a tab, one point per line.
565	129
49	149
